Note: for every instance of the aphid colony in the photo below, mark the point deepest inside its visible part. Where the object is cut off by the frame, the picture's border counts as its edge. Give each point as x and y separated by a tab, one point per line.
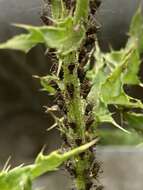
85	58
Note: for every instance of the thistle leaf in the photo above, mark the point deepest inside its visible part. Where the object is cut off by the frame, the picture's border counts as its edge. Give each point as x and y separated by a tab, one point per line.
22	42
134	121
117	137
103	115
114	84
20	178
64	37
112	71
136	30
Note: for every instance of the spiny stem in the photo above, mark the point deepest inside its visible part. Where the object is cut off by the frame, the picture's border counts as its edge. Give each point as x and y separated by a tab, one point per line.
74	104
75	114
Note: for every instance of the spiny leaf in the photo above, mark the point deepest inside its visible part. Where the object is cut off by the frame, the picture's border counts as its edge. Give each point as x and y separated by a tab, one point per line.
97	76
136	30
64	37
117	137
111	72
45	83
22	42
134	120
103	115
48	82
114	84
20	178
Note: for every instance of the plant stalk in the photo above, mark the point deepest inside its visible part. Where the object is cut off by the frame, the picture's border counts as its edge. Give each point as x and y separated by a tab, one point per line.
75	114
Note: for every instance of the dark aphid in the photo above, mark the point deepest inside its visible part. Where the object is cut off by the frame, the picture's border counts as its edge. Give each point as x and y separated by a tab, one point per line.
66	122
61	74
92	149
92	62
70	168
64	137
100	187
94	5
70	4
90	120
85	88
89	185
54	68
53	84
91	30
88	108
82	155
52	50
71	68
78	141
98	3
96	170
82	54
52	56
89	43
72	125
46	20
59	100
81	74
70	90
46	12
62	106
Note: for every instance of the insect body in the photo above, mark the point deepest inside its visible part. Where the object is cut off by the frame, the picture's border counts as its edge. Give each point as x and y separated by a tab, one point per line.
70	90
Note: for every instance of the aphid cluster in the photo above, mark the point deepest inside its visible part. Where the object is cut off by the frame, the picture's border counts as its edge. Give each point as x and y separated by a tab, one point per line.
63	97
70	5
46	13
88	46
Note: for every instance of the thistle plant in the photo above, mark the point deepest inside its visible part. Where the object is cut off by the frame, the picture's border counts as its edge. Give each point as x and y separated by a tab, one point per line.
84	83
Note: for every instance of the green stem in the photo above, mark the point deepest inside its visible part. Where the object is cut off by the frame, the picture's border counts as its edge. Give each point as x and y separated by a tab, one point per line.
75	107
74	104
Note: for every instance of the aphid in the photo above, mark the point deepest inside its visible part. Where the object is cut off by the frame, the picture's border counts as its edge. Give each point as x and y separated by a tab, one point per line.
71	68
70	4
72	125
90	120
92	62
101	187
70	90
81	74
91	30
89	185
94	5
59	100
88	108
89	43
82	155
54	70
96	169
46	20
82	54
53	84
70	168
78	141
64	137
46	13
85	88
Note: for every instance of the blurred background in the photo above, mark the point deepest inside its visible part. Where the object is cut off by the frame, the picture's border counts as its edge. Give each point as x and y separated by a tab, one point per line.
23	122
